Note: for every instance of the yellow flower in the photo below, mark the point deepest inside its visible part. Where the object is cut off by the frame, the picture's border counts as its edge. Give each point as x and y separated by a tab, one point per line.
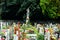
50	30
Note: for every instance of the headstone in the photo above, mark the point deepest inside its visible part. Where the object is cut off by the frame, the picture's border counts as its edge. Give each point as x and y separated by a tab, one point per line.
41	31
38	25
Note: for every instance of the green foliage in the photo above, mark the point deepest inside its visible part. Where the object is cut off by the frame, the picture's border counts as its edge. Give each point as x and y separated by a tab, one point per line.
51	7
35	30
30	27
40	37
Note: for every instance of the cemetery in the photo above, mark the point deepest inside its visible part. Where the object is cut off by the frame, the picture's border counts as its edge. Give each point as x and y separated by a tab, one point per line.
29	19
18	31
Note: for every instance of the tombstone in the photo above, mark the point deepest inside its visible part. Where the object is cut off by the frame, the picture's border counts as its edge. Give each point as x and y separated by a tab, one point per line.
50	25
41	31
38	25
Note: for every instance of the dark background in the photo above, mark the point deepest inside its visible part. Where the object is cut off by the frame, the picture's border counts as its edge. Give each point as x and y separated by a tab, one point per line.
14	11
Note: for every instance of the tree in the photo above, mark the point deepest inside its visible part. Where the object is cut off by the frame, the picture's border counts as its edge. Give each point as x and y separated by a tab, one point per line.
17	10
50	7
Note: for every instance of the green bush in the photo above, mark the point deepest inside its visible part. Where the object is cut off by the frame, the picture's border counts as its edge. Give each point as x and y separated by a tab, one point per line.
40	37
